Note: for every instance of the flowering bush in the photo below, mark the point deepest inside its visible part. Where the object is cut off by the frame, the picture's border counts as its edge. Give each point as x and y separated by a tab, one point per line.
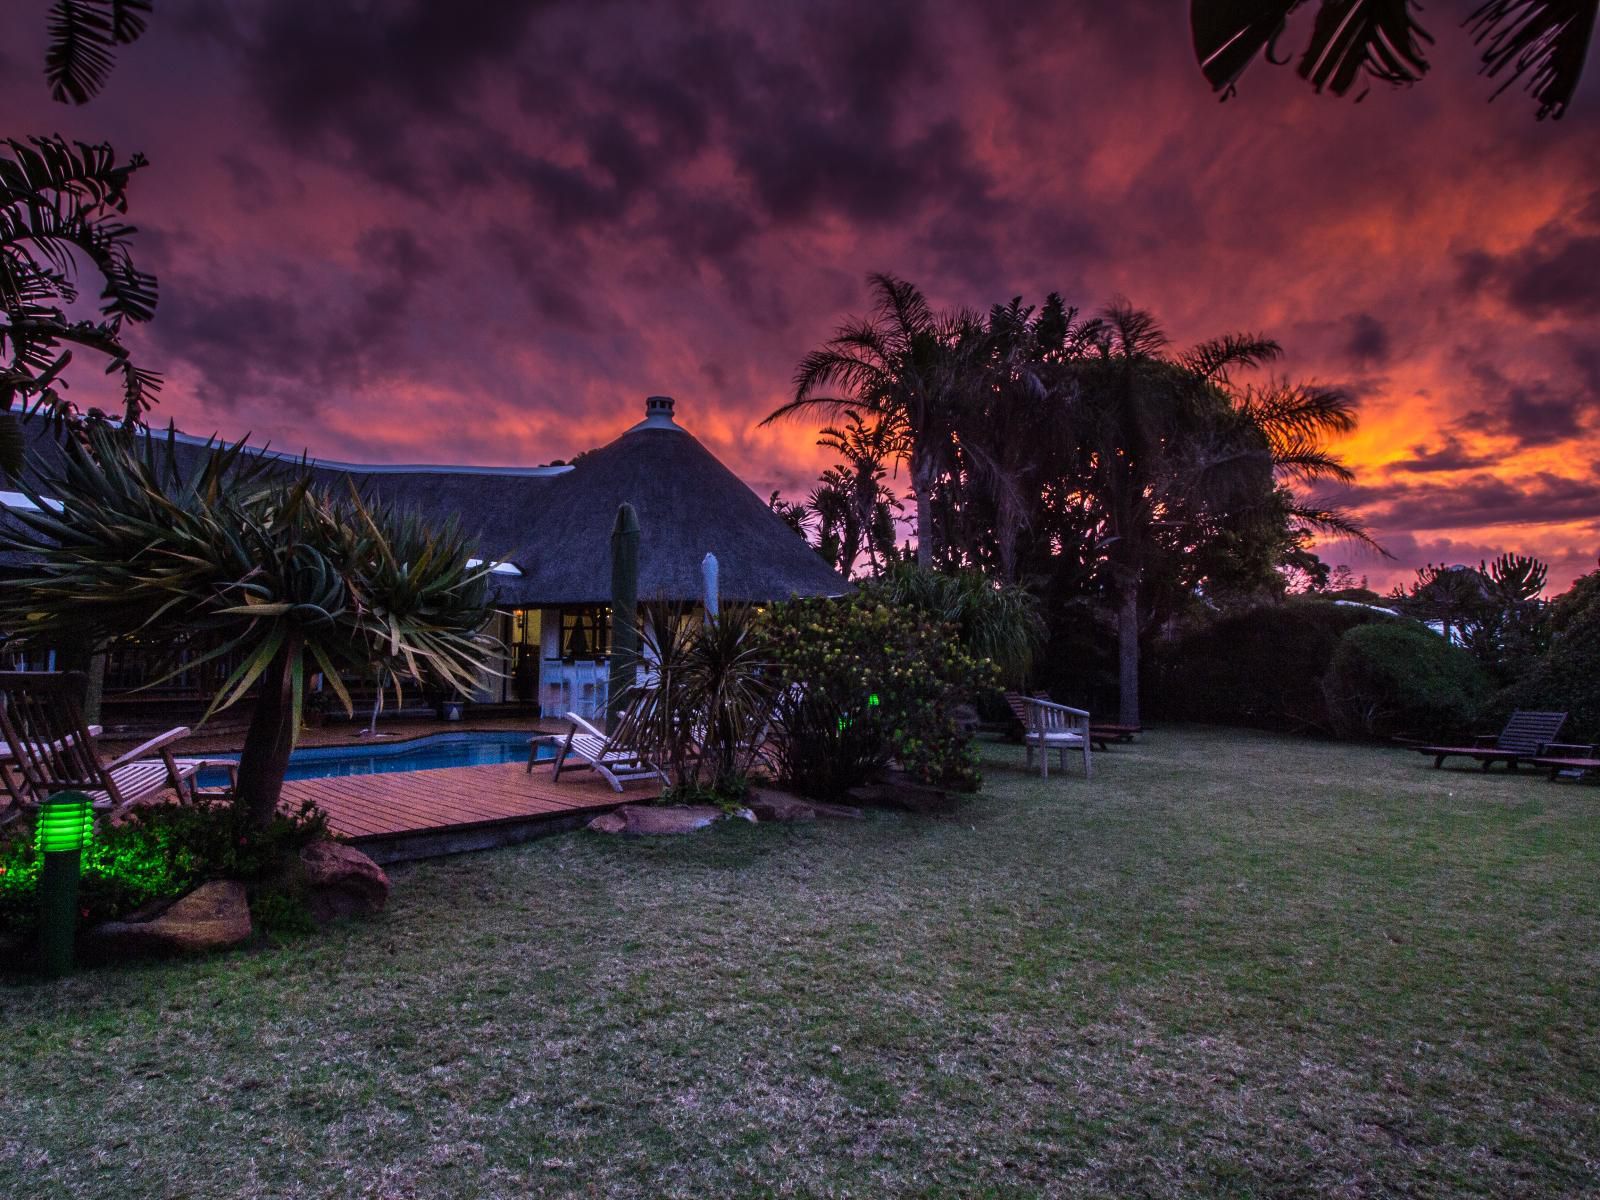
866	680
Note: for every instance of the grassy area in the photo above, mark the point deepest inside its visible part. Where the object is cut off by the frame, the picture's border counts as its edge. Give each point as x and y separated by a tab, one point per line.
1231	964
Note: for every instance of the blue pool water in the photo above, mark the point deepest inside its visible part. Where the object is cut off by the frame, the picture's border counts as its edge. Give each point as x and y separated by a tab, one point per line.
418	754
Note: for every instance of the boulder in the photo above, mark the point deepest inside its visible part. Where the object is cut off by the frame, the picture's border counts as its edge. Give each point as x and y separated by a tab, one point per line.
770	804
649	820
215	916
898	790
611	822
340	881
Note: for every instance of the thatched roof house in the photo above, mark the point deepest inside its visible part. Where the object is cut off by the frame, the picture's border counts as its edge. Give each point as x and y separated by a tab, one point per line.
548	529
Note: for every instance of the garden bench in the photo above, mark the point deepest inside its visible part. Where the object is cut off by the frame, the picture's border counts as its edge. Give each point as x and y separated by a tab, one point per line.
1527	735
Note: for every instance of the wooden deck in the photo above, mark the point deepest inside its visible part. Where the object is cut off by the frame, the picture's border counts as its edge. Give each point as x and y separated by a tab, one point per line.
423	814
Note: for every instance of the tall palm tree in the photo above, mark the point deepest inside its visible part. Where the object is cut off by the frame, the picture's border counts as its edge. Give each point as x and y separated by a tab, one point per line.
1158	435
62	209
1365	41
906	366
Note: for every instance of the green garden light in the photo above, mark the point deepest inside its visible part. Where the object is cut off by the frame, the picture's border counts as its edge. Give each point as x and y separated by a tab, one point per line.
66	824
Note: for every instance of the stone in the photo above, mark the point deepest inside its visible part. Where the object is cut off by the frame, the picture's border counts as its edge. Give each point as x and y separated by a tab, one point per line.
340	881
215	916
649	820
898	790
771	804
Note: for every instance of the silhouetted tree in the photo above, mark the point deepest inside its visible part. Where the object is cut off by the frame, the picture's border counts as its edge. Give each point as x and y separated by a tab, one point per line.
906	366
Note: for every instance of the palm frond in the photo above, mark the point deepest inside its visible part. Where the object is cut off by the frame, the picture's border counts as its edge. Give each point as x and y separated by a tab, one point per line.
84	35
1375	39
1545	40
1228	34
1215	357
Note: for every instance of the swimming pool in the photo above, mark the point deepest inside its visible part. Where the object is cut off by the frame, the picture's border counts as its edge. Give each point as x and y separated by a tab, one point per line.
379	758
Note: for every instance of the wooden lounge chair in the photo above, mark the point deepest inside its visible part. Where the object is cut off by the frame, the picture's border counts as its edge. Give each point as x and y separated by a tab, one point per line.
1527	736
1049	726
1574	760
615	757
51	749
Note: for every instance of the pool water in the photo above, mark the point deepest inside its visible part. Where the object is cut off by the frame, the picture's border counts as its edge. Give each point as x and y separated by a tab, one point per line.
418	754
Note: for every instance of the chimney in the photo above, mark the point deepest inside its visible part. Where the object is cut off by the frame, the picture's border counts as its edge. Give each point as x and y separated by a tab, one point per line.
658	414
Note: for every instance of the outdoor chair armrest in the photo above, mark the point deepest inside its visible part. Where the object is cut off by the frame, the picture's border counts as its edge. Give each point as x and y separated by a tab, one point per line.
145	750
1486	740
1052	705
1567	750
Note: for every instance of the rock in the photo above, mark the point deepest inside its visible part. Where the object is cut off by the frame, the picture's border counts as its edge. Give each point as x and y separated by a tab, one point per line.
770	804
341	881
648	820
215	916
898	790
611	822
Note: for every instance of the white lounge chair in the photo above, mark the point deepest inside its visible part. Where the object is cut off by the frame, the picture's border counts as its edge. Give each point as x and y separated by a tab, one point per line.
614	757
1051	726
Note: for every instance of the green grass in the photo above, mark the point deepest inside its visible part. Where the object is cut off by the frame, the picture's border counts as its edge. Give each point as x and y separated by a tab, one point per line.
1231	964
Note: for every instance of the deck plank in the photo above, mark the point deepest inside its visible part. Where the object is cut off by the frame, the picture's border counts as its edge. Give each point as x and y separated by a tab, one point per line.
361	807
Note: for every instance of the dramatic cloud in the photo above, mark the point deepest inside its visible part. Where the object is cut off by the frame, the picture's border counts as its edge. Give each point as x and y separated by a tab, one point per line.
414	231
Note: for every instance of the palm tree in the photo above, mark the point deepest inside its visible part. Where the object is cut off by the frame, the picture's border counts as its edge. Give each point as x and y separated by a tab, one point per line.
1159	438
906	366
255	561
62	206
1365	41
859	481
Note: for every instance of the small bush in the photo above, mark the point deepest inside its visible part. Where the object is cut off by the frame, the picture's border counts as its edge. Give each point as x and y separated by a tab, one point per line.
1399	678
161	852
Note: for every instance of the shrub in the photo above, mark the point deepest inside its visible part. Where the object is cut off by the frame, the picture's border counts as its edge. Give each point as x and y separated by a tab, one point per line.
162	852
1261	667
865	680
1566	677
1402	678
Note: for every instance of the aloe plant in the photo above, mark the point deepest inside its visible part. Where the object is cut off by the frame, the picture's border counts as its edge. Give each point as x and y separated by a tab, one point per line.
250	558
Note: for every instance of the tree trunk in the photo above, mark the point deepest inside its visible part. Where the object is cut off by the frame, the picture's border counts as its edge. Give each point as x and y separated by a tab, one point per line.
1128	654
270	739
922	496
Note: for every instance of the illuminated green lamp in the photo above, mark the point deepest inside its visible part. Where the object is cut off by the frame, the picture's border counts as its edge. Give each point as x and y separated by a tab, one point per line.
66	826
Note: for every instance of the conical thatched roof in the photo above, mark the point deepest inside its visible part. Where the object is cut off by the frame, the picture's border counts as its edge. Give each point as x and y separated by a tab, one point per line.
553	524
688	503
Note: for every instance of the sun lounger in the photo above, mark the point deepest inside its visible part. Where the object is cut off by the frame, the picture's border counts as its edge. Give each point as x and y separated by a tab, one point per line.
1527	736
614	757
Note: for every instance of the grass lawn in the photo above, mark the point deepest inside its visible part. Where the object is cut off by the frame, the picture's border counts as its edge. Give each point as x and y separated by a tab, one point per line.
1231	964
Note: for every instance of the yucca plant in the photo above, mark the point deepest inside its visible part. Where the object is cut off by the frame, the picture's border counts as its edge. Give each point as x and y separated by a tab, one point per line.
705	701
249	557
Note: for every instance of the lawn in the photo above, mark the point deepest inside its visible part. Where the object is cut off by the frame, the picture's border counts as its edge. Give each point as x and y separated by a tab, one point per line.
1232	964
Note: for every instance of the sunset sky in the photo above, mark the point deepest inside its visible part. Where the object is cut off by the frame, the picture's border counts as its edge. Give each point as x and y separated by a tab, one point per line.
484	232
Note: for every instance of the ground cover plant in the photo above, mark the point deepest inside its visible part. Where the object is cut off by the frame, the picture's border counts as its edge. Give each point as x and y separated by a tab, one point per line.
1231	964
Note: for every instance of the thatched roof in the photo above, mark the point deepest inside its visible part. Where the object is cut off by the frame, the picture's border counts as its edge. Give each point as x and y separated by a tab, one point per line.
554	523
